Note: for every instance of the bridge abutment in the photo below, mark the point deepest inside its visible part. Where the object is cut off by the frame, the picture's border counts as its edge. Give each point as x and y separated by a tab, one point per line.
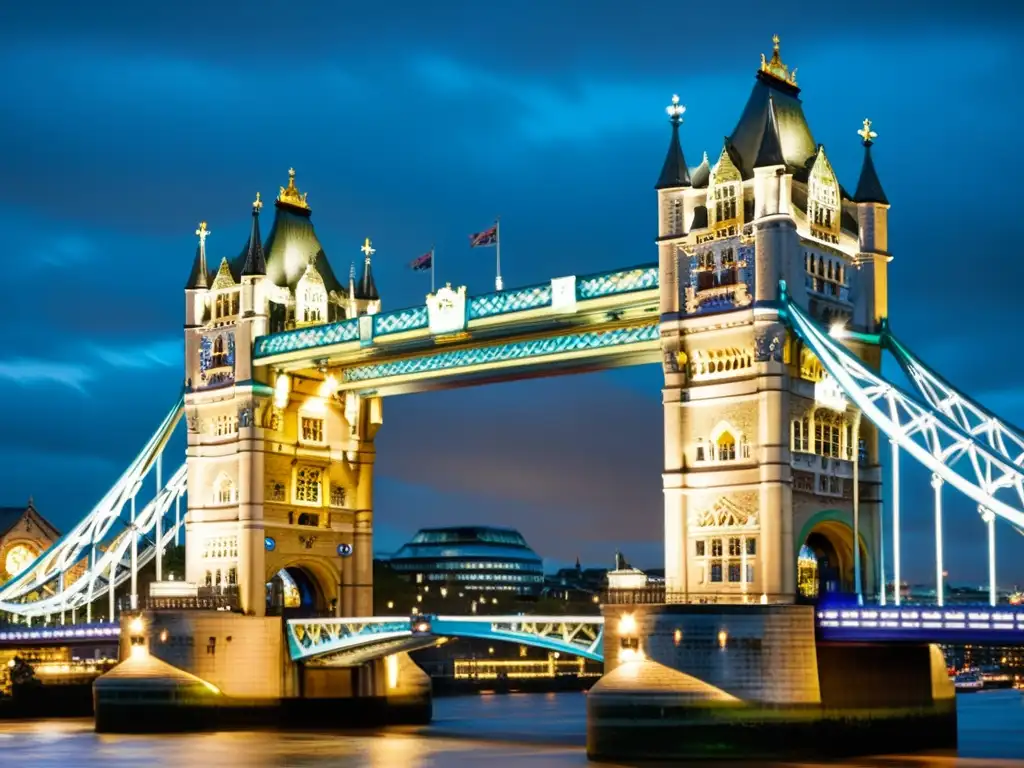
195	670
753	681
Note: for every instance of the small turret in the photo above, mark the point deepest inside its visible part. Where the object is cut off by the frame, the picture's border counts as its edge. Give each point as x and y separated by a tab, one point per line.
363	298
255	262
873	235
674	173
199	278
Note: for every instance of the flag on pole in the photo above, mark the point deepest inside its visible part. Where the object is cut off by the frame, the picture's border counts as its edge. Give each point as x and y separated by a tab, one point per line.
485	238
422	263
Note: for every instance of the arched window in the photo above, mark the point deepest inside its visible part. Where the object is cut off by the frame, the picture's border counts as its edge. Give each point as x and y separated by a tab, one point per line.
224	489
725	447
307	485
801	435
218	355
828	434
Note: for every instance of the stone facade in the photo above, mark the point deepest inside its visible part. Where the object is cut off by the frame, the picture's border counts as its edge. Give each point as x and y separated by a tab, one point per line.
279	466
745	424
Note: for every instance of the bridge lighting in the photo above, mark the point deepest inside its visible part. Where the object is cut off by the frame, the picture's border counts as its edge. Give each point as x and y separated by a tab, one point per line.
838	330
444	591
135	626
328	387
423	626
281	388
627	624
391	604
491	649
723	639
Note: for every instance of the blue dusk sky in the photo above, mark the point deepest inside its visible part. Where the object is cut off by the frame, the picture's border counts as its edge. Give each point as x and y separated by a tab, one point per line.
126	123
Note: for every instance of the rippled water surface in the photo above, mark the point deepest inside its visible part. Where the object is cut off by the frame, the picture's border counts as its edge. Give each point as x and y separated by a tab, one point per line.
511	730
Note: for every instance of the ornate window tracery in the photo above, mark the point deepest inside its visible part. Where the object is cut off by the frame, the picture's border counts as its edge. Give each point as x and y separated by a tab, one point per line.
308	481
823	205
725	545
337	496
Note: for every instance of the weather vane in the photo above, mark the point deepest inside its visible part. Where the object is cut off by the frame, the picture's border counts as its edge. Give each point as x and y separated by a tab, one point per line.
257	204
866	133
368	249
202	232
675	110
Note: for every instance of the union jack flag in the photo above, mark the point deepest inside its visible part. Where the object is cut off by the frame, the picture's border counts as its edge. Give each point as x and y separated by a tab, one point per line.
487	237
421	263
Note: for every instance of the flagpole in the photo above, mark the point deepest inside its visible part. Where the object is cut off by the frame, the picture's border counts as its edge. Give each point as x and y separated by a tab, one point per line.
497	251
432	269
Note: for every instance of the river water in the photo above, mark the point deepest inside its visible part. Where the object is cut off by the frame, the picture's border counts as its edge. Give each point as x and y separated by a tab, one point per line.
536	730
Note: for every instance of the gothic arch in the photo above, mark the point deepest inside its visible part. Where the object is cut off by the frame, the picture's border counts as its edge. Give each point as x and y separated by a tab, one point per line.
224	491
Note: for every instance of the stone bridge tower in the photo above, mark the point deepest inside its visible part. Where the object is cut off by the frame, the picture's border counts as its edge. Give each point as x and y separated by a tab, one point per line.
761	451
280	468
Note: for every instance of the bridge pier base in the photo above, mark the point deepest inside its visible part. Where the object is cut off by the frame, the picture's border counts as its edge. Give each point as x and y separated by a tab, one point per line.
194	670
752	681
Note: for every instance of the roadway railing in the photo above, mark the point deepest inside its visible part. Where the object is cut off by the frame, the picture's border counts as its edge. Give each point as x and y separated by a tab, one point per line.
659	595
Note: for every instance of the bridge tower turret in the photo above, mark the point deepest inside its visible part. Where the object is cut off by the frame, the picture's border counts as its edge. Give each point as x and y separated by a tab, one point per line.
279	466
756	463
873	220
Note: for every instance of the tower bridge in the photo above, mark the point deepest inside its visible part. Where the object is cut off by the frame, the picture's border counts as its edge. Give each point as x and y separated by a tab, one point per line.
767	309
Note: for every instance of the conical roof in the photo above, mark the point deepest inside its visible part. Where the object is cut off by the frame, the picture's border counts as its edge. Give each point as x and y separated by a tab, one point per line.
795	139
869	188
367	288
255	263
292	242
200	276
701	173
770	151
674	172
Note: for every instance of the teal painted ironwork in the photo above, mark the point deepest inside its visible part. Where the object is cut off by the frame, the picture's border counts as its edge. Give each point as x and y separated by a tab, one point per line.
308	638
400	320
307	338
515	350
613	283
491	304
620	281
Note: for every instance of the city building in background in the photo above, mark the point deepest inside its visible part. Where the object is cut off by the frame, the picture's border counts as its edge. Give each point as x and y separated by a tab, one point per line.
471	559
24	534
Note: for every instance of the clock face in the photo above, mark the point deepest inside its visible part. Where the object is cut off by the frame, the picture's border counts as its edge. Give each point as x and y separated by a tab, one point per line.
18	558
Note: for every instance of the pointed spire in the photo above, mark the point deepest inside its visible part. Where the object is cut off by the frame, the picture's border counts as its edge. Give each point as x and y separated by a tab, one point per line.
255	262
367	288
199	277
352	281
869	188
674	172
770	151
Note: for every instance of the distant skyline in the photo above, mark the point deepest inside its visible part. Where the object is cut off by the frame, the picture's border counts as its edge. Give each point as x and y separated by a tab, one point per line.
125	124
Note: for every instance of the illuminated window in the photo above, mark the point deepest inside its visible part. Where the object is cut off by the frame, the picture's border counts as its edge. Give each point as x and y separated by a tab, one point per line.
677	216
337	496
725	202
225	424
828	435
218	354
307	485
220	548
312	429
725	447
801	435
17	559
224	489
225	305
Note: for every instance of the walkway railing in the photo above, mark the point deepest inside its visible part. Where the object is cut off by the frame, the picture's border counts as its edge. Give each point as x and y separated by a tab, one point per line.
659	595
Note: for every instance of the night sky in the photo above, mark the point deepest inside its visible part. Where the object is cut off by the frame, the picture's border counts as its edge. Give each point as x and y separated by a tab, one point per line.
125	123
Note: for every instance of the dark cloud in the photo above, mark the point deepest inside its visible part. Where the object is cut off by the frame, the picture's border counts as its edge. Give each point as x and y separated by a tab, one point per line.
128	123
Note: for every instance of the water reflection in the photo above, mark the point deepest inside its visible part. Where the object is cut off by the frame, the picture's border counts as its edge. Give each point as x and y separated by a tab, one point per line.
511	730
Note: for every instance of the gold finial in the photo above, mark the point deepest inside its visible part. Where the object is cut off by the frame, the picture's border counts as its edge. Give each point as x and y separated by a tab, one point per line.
368	249
775	67
675	110
866	133
202	233
290	195
257	204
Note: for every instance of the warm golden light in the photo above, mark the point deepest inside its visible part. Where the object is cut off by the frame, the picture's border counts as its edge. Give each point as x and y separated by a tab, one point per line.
281	389
391	663
627	624
677	636
19	557
723	638
135	625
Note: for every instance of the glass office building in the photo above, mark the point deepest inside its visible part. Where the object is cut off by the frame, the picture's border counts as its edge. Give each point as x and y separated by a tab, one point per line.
471	559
